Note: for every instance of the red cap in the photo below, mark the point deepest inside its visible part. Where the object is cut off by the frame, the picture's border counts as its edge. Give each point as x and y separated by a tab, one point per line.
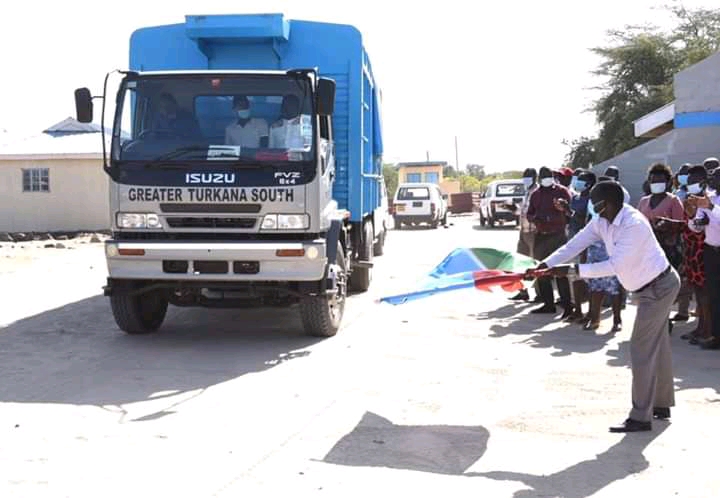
564	171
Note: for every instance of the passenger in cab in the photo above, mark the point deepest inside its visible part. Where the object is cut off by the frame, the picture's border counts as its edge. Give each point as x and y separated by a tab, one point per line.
287	132
247	131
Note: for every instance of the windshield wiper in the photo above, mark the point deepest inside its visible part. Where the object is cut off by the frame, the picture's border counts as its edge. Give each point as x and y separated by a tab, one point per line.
179	152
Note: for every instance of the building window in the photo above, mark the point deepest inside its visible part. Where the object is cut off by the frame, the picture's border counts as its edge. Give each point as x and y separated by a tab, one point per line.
414	178
432	178
36	180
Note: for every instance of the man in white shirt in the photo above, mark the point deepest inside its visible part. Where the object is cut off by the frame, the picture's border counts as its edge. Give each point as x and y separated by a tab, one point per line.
704	209
291	130
638	261
246	131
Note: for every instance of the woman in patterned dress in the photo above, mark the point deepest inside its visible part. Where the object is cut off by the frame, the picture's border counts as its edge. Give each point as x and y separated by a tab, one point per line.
600	287
693	256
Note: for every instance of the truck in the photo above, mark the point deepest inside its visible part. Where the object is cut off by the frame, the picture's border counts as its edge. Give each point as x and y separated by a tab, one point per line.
245	169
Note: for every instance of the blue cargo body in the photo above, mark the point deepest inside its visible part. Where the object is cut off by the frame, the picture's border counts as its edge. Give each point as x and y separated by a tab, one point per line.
270	42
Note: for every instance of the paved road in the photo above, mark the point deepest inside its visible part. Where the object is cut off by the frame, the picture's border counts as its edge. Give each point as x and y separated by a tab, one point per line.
463	394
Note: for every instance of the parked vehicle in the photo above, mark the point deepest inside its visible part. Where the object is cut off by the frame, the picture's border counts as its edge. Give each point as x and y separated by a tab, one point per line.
417	203
497	200
287	212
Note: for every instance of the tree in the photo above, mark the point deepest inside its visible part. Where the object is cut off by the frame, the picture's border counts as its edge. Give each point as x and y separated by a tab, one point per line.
582	152
476	171
450	172
390	173
470	184
638	67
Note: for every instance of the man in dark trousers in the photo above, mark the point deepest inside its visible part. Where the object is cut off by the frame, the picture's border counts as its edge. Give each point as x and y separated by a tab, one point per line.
550	222
638	261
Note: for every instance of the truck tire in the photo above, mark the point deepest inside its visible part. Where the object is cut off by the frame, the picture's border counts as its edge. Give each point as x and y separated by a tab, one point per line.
379	248
140	314
322	315
361	277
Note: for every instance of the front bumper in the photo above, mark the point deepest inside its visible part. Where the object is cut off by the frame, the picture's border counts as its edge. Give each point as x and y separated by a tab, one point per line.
414	218
206	261
504	215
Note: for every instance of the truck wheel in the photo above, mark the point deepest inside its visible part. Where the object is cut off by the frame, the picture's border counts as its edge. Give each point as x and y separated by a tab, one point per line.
379	247
361	277
322	315
140	314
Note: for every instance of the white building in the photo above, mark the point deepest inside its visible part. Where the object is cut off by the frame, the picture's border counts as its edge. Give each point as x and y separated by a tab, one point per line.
54	181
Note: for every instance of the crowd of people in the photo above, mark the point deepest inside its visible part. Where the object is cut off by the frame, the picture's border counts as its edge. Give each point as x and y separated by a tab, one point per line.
680	208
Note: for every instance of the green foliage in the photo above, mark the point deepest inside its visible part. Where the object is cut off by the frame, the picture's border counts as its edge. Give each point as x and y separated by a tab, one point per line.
471	184
638	68
390	173
476	171
450	172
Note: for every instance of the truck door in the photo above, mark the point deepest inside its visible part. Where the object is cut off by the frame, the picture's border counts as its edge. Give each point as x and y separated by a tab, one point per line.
326	154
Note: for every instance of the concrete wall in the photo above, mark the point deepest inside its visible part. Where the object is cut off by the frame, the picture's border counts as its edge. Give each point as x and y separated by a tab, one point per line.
686	145
78	197
697	88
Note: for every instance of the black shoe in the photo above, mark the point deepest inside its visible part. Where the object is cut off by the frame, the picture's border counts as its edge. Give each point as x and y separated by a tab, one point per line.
713	343
661	413
631	425
545	310
670	327
569	310
537	300
680	318
521	296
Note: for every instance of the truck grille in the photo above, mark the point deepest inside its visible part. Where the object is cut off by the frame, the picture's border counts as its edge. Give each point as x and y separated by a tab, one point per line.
197	222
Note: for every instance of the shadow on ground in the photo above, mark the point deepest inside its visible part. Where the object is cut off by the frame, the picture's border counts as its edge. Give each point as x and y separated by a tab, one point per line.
441	449
566	339
693	367
509	226
76	354
590	476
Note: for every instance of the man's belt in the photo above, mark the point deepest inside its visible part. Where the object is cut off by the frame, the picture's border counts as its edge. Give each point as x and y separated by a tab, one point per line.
654	280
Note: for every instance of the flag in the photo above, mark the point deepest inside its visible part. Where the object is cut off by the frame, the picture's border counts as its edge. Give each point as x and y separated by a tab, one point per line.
482	268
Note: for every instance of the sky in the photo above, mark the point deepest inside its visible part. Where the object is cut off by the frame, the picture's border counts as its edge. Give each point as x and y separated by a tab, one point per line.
509	79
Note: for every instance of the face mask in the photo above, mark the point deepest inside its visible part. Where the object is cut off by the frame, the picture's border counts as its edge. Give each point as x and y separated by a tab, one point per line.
244	114
695	188
682	179
527	181
547	182
580	185
658	188
596	209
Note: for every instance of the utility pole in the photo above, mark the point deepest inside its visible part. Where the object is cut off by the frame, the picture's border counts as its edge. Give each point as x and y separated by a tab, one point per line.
427	156
457	161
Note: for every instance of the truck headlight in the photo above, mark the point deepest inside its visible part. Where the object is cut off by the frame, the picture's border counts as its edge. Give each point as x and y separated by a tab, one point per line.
138	220
286	222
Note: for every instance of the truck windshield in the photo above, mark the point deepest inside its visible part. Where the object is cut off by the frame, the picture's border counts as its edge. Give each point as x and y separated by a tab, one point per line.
255	118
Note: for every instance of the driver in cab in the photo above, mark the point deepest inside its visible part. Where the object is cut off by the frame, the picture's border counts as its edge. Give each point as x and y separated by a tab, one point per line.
247	131
172	120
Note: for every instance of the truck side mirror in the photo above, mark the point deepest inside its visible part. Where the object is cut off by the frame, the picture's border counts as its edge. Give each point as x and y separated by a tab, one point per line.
83	105
325	97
